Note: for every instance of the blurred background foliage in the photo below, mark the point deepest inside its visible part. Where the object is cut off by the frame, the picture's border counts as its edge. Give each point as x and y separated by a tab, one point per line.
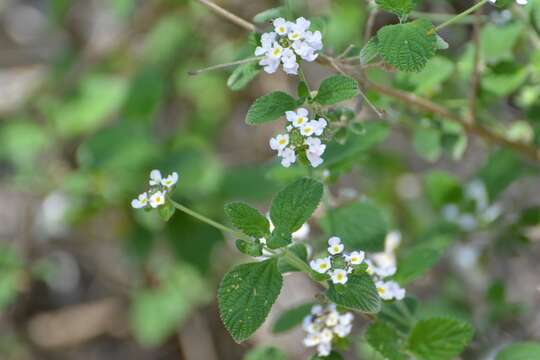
96	93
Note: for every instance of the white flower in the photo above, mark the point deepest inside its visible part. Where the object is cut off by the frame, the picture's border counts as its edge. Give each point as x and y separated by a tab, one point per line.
312	340
335	246
140	202
321	265
319	126
346	318
332	319
314	151
280	142
324	349
157	199
298	118
269	64
355	258
155	177
392	241
326	336
519	2
390	290
307	130
281	26
299	41
267	41
288	157
170	180
317	310
339	276
342	330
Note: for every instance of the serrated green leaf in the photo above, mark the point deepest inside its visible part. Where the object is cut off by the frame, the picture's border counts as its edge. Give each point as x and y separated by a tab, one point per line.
246	295
407	46
336	89
280	237
520	351
385	339
291	318
242	76
270	107
359	293
293	205
265	353
399	7
369	52
439	338
360	225
247	219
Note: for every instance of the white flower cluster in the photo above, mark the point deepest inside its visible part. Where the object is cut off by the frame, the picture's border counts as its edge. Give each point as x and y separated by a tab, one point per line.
379	265
159	187
302	137
287	43
519	2
339	264
481	212
325	324
384	264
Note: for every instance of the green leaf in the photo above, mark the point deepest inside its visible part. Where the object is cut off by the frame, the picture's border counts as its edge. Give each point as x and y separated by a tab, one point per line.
439	338
497	42
360	225
293	206
270	14
300	250
336	89
520	351
399	314
408	46
385	339
359	293
270	107
291	318
369	52
242	76
501	169
280	237
265	353
247	219
419	259
399	7
253	248
246	295
427	143
442	188
166	211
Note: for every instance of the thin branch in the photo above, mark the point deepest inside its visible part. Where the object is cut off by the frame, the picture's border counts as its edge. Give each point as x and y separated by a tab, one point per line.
477	68
229	15
413	100
225	65
368	30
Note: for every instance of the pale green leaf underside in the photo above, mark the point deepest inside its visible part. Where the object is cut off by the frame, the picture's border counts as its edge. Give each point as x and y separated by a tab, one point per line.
246	295
408	46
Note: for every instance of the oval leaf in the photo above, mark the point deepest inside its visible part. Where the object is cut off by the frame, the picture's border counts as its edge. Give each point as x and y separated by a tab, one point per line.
270	107
246	295
336	89
358	294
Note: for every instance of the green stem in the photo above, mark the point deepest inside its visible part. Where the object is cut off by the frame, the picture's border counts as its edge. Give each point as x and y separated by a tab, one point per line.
206	220
295	261
458	17
303	78
440	18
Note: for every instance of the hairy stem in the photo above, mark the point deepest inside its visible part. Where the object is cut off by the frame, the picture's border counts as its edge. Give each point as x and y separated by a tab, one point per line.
225	65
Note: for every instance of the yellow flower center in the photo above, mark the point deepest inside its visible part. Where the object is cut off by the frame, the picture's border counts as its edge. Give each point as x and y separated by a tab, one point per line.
276	51
281	29
381	290
324	266
282	141
339	276
158	199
